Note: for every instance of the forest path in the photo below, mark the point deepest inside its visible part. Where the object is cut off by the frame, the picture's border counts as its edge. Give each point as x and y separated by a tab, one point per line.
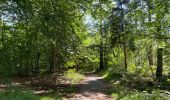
92	87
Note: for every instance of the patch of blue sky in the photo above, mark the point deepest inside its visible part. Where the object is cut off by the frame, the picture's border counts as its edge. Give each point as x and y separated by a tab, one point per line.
91	23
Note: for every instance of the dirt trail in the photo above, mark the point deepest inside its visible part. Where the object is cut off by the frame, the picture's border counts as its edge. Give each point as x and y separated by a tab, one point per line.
91	88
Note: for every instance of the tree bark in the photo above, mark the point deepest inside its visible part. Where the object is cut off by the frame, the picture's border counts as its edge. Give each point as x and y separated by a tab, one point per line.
150	56
101	58
52	58
125	55
101	48
37	62
159	63
150	59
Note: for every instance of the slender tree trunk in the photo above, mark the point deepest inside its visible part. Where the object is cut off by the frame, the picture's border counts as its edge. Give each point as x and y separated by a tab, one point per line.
101	58
105	56
124	44
52	58
101	48
150	50
150	59
77	67
27	68
37	54
159	50
2	36
27	51
150	54
159	63
125	55
37	62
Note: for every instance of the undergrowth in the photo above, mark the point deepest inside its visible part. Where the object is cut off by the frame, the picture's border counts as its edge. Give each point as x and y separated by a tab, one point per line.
74	76
19	94
126	86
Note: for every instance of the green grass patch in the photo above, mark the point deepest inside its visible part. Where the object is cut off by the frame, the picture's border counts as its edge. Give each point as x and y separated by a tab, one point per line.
50	98
74	76
18	95
114	95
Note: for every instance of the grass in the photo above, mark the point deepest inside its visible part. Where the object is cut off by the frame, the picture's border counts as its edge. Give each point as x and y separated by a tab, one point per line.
74	76
50	98
26	92
18	94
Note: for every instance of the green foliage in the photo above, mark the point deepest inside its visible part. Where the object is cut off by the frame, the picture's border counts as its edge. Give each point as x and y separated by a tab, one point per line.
48	36
5	80
74	76
155	95
132	87
37	34
70	64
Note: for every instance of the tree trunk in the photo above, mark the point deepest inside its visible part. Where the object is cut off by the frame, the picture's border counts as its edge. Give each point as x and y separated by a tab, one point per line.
52	58
37	62
27	51
125	55
105	58
150	55
150	59
159	63
101	48
77	67
101	58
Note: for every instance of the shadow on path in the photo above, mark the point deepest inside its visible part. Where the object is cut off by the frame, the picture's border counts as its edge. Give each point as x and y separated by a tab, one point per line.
91	88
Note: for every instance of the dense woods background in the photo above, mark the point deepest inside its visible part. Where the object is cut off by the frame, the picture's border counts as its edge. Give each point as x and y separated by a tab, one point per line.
120	38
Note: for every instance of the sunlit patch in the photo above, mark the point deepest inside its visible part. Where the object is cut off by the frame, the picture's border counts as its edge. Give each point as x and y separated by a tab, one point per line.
15	84
117	82
3	86
27	82
41	92
47	98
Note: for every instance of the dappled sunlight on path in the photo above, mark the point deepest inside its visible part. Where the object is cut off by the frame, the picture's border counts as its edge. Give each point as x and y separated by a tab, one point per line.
91	88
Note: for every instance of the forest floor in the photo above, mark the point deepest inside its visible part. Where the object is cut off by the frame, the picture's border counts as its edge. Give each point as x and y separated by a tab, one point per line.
92	87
